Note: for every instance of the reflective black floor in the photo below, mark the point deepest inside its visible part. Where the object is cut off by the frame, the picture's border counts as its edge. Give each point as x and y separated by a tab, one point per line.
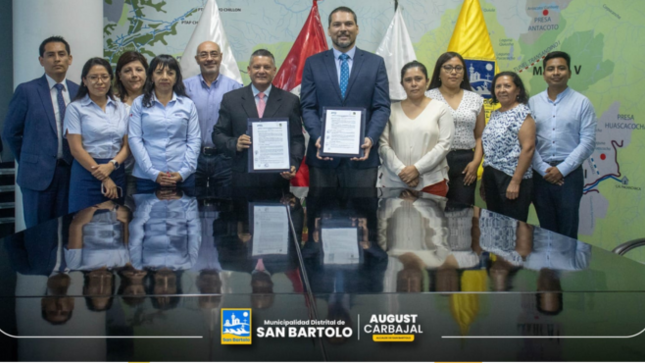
149	281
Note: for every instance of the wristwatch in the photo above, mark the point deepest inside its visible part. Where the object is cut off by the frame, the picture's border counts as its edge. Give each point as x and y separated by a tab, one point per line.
116	164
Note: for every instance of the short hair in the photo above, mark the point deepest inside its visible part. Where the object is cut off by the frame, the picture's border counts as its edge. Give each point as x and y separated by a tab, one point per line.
523	97
53	39
414	64
343	9
435	82
82	88
126	58
207	41
163	61
262	53
558	54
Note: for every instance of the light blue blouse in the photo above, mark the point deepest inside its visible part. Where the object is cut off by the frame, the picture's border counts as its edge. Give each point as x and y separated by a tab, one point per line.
103	244
164	138
102	132
165	233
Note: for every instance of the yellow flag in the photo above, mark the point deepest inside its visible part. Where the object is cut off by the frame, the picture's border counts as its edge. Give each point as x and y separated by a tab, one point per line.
470	39
465	307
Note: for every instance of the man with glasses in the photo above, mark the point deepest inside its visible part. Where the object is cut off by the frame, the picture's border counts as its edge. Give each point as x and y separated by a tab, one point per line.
206	90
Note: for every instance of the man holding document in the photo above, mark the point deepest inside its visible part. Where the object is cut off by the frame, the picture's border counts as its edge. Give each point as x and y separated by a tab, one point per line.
259	127
345	106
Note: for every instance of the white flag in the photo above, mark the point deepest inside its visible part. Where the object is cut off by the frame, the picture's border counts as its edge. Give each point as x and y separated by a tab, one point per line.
209	28
396	49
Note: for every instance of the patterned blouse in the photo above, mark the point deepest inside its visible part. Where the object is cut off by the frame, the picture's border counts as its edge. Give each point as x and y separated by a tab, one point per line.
501	142
465	117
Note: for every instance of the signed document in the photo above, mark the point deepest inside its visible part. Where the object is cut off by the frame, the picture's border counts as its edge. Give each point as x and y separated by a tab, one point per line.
270	230
340	246
270	146
343	132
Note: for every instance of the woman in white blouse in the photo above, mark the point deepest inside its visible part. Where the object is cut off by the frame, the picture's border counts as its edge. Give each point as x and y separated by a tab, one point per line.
450	85
417	138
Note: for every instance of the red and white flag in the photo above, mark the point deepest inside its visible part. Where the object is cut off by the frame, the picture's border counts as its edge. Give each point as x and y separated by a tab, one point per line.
310	41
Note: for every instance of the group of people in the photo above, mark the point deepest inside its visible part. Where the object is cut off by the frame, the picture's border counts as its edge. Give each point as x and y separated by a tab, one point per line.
171	132
438	139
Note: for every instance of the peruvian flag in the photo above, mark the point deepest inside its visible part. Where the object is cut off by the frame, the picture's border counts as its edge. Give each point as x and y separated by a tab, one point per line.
310	41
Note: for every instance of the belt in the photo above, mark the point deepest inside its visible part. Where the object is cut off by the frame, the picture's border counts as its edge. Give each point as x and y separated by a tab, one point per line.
555	163
209	151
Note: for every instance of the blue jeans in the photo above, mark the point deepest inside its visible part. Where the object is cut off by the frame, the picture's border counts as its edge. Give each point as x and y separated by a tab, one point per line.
558	207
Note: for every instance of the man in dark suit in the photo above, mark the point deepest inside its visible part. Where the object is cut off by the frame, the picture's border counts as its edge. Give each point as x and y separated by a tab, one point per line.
344	76
258	100
33	129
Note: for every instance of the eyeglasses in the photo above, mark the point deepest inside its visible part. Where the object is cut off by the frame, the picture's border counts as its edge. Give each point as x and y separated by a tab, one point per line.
449	69
205	55
96	77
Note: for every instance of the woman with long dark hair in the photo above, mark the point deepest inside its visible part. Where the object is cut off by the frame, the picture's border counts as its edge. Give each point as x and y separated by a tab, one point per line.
164	130
509	142
449	84
96	128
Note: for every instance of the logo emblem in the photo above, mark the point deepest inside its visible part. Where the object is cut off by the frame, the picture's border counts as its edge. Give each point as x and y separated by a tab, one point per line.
481	74
236	326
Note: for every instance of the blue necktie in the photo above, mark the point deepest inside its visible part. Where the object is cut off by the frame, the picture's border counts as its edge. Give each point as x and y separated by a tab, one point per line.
60	100
344	73
67	155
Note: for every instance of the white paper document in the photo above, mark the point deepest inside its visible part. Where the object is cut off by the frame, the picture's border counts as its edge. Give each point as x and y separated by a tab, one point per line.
340	246
342	132
270	145
270	230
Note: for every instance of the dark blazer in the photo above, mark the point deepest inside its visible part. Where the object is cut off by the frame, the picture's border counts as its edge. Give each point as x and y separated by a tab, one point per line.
367	88
30	132
239	105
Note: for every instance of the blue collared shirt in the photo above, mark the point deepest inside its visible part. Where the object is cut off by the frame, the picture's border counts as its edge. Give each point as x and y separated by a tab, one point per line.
164	138
102	132
103	244
565	130
555	251
164	233
267	92
338	62
207	101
